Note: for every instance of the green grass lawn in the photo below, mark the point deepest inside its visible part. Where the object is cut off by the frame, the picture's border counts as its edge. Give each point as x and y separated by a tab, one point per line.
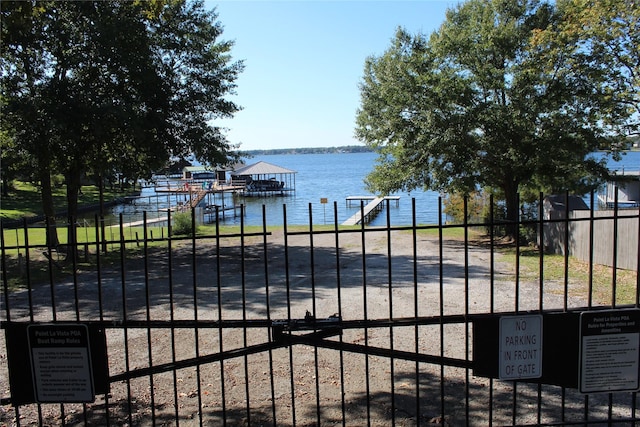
25	199
553	270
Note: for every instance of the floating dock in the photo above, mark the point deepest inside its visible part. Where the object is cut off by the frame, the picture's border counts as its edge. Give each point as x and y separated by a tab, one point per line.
369	211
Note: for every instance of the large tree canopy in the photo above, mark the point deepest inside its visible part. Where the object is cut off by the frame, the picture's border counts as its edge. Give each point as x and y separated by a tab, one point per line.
110	87
600	40
479	104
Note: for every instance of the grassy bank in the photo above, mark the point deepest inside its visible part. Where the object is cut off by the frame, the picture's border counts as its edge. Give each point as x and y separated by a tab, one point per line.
25	199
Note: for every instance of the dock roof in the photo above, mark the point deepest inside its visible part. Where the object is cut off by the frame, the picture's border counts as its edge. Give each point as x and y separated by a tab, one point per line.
262	168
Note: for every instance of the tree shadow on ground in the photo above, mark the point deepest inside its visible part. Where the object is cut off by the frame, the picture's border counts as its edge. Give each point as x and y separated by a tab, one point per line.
232	278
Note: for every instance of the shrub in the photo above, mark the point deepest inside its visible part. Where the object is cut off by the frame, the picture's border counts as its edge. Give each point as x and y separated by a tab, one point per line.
454	207
182	224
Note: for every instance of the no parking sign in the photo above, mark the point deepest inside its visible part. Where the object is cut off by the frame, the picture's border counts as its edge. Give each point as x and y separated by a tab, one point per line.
520	347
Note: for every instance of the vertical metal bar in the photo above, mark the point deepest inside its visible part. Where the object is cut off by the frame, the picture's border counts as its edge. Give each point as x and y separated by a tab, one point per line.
176	406
220	341
614	261
5	283
467	346
441	305
243	281
614	275
52	290
364	301
27	262
100	301
73	222
339	291
148	313
540	287
194	279
517	301
312	263
416	311
541	253
265	254
634	395
492	282
99	273
288	291
637	299
73	246
590	282
566	251
566	285
390	293
7	304
591	249
517	243
123	250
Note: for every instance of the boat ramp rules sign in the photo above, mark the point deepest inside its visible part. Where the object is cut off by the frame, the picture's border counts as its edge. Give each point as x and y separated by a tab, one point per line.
61	363
609	351
520	347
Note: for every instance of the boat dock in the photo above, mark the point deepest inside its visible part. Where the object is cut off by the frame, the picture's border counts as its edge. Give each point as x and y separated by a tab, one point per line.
142	222
372	208
350	199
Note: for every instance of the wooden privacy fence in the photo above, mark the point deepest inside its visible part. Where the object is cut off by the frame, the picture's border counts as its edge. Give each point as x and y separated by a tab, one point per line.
598	237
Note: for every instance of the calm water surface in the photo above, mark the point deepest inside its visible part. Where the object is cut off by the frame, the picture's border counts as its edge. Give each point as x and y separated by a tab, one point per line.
330	176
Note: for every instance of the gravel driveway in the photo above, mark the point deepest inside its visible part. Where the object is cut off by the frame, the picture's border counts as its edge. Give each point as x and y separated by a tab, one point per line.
381	275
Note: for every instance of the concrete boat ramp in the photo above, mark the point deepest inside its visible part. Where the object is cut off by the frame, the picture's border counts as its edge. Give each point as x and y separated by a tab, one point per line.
368	212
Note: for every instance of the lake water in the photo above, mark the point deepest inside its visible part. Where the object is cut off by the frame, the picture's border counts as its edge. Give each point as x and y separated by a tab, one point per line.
330	176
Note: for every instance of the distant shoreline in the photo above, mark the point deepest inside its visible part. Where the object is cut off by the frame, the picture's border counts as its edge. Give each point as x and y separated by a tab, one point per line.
311	150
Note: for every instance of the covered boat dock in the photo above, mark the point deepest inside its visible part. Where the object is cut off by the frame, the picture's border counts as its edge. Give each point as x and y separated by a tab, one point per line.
265	179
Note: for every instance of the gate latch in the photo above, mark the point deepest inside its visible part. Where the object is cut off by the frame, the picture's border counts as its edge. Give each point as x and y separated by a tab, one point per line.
332	325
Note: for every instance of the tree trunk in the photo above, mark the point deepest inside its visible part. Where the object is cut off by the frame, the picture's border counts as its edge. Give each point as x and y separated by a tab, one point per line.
5	187
48	208
73	187
512	202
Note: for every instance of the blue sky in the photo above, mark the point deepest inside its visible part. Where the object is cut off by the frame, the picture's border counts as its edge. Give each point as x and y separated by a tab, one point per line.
303	62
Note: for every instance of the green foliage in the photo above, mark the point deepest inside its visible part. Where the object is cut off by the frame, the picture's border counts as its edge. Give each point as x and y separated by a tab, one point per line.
479	104
182	224
454	207
111	88
600	38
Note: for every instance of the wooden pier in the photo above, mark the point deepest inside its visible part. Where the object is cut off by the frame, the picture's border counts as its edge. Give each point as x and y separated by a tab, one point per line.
369	211
351	199
140	223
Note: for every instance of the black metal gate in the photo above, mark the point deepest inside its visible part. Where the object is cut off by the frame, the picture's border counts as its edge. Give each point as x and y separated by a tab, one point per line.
312	324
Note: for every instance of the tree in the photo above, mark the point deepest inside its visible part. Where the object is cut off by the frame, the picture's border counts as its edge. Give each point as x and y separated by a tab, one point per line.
114	87
473	107
600	40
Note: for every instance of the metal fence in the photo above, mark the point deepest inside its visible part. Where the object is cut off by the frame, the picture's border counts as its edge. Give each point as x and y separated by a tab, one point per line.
315	325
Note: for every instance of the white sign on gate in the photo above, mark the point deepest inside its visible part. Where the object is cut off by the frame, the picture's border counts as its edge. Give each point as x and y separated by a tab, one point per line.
520	347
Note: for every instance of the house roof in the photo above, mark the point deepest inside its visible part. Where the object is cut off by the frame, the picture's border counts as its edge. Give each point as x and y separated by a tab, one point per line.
262	168
557	202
